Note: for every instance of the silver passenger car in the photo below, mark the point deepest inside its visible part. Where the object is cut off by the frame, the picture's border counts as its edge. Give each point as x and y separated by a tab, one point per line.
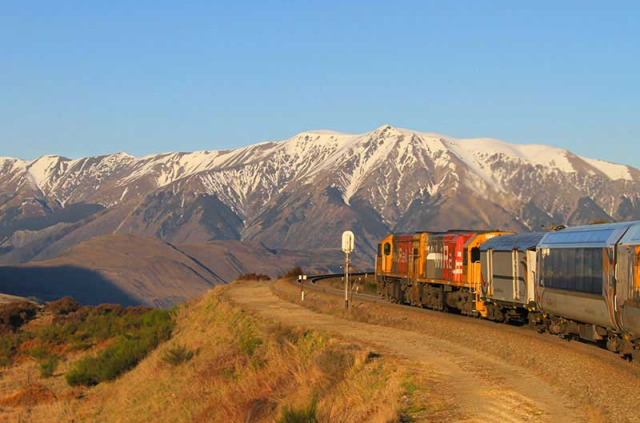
577	280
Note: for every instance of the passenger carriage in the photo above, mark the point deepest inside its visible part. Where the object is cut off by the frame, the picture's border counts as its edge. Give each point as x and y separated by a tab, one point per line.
583	290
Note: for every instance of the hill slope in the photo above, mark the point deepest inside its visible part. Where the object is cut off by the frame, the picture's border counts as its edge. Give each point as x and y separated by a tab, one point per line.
113	269
128	269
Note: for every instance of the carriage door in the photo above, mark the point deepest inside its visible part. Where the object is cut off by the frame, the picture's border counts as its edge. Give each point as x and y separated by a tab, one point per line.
635	275
531	276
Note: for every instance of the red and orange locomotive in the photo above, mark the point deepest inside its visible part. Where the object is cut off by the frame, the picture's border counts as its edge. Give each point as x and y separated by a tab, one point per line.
436	270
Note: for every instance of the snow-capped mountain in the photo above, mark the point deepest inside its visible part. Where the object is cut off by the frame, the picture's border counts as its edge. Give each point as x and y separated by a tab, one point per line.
304	191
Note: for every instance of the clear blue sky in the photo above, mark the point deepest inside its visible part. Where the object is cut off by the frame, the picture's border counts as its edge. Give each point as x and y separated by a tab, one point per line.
92	77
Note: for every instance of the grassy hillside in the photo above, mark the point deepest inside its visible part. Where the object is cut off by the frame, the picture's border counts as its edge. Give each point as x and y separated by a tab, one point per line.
219	365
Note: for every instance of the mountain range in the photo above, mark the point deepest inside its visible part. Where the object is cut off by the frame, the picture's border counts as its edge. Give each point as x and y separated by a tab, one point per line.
301	193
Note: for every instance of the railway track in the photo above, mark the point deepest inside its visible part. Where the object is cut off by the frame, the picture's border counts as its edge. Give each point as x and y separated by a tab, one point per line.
325	288
335	291
321	284
317	278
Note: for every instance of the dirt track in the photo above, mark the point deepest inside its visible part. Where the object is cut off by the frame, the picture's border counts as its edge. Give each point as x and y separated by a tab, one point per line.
482	387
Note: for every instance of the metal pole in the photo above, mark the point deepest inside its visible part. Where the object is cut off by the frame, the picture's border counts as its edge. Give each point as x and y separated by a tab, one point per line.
346	282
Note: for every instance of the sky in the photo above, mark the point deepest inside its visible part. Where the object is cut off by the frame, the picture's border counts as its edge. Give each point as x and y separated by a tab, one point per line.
80	78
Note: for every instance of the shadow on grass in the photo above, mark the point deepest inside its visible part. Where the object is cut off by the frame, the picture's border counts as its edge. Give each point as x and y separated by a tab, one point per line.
50	283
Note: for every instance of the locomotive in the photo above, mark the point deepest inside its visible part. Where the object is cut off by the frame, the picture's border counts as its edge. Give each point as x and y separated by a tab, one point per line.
577	282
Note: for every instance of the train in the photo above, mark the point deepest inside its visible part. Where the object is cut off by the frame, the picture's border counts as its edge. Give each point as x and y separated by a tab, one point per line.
579	282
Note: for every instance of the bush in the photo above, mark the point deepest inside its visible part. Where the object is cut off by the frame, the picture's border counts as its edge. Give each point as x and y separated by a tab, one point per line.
177	355
63	306
294	272
49	365
305	415
253	277
40	352
145	333
14	315
8	347
87	326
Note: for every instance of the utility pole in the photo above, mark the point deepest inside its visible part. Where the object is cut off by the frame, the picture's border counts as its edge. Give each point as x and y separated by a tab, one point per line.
348	244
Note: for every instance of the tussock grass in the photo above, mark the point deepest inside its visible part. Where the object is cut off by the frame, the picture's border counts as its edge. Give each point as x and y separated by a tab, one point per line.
49	365
307	414
177	355
246	370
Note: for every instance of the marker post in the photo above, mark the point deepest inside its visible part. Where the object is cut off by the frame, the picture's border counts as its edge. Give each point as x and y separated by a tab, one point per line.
301	279
348	244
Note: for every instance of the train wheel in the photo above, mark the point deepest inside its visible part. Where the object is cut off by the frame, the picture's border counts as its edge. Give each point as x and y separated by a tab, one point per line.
613	343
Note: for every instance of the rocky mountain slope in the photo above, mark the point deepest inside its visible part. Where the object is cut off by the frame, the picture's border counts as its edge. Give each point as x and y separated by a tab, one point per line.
301	193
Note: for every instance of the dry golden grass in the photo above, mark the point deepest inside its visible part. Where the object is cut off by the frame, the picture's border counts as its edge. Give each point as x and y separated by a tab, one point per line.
290	292
244	369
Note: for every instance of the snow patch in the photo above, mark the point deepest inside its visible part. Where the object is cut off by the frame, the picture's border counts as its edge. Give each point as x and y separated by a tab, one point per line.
612	170
42	169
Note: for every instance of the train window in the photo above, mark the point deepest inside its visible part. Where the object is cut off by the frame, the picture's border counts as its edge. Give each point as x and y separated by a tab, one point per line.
387	248
574	269
475	255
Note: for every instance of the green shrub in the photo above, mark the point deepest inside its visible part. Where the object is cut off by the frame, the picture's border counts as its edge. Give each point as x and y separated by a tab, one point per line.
40	352
49	365
305	415
145	332
177	355
245	333
8	347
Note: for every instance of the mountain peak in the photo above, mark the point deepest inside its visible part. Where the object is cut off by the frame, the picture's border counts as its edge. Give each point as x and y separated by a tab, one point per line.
386	129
